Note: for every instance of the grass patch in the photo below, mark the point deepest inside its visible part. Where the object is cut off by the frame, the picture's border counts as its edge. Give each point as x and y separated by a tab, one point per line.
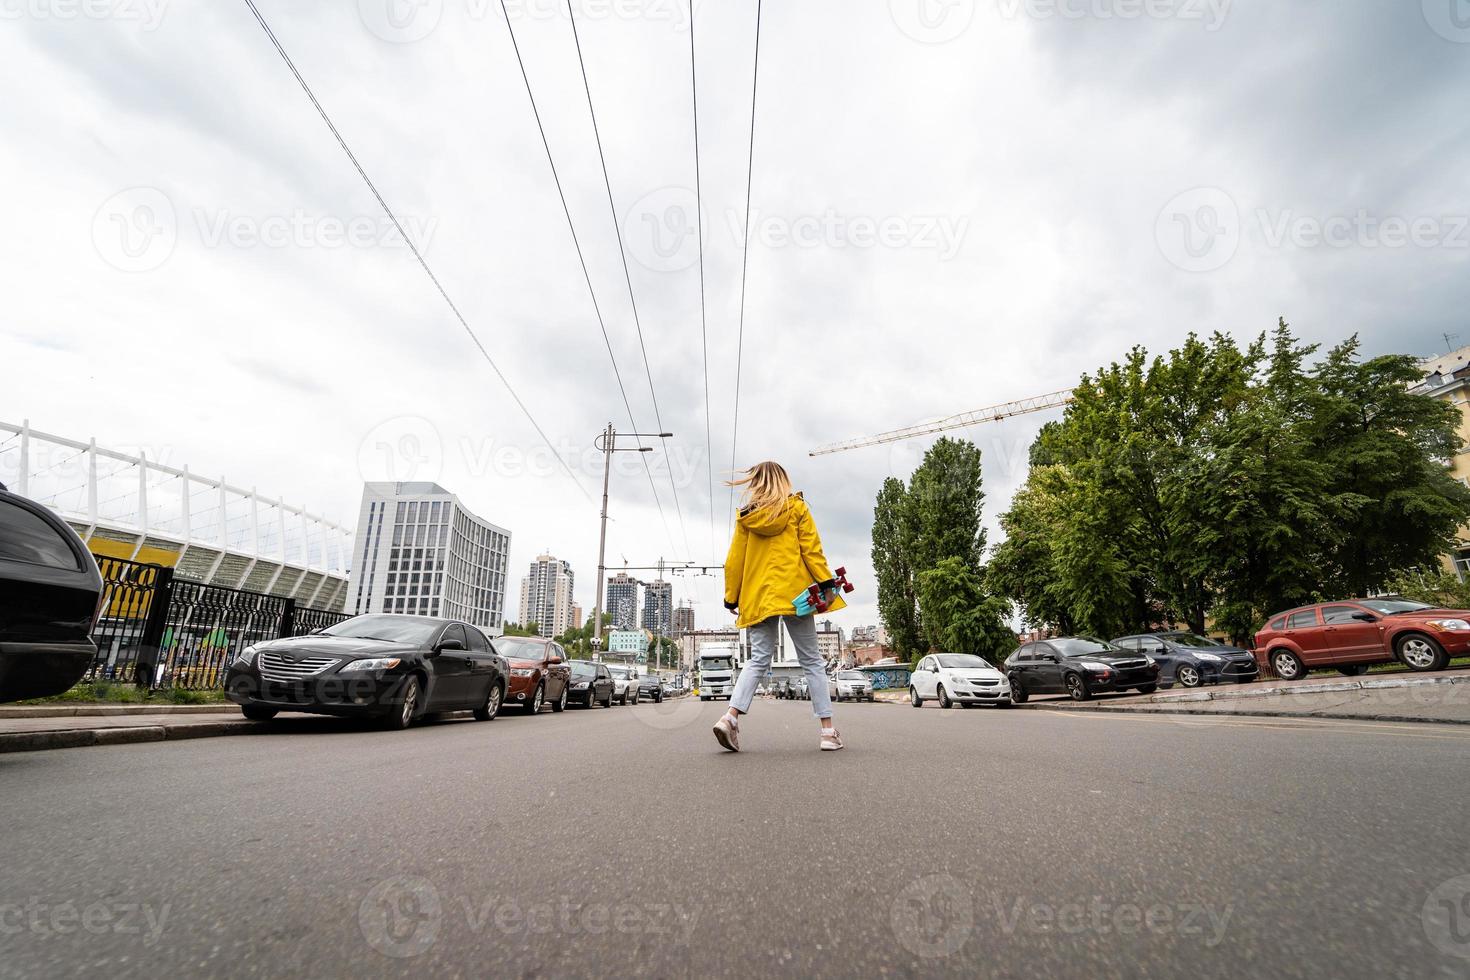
109	692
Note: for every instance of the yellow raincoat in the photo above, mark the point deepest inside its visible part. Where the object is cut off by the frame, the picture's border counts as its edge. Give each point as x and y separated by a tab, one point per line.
773	559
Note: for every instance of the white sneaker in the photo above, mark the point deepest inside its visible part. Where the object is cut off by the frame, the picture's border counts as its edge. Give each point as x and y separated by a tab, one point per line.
831	741
727	732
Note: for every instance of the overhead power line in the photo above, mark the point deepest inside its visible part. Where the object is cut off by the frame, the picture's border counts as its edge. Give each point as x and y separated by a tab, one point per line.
709	446
745	252
581	258
623	254
413	246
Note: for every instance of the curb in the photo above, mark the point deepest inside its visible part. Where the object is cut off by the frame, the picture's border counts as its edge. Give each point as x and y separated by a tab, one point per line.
1248	713
1333	687
112	710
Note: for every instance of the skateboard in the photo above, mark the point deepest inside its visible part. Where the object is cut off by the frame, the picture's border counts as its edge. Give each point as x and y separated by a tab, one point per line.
813	600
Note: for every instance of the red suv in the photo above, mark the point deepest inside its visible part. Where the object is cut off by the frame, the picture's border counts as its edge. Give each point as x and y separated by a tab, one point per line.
1353	634
539	673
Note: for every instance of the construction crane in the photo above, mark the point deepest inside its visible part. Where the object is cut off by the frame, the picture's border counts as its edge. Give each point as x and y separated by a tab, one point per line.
994	413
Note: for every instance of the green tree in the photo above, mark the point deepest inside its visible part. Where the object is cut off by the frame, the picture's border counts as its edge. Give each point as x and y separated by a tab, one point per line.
1437	587
960	616
897	602
944	506
515	629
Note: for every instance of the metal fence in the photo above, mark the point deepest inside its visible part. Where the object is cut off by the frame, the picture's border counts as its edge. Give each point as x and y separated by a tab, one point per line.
158	631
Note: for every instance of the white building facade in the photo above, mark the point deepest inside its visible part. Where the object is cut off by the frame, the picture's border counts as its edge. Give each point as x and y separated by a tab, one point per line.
420	552
546	596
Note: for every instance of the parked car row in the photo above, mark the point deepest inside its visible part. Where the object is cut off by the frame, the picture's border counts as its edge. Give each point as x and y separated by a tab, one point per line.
400	668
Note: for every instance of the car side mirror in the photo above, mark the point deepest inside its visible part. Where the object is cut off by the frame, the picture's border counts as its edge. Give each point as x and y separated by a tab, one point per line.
449	644
1365	617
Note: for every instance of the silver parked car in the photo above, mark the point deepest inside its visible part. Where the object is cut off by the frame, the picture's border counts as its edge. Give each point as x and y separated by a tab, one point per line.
850	685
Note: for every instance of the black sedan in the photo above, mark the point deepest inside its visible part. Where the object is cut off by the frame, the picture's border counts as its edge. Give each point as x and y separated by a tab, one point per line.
649	686
592	684
397	668
49	601
1078	666
1190	660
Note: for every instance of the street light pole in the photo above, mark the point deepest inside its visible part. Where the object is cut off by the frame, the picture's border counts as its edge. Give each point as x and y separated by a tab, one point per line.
608	443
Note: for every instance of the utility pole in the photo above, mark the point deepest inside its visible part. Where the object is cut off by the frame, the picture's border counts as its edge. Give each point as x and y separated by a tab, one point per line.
608	443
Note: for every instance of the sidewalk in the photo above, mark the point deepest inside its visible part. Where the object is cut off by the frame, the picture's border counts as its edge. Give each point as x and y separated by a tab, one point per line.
107	725
1442	697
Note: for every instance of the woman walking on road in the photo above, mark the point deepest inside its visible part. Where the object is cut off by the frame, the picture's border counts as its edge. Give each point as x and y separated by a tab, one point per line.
775	555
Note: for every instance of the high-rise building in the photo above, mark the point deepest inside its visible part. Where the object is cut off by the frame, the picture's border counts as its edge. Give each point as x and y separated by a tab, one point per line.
683	619
419	551
546	596
622	601
658	607
829	641
576	616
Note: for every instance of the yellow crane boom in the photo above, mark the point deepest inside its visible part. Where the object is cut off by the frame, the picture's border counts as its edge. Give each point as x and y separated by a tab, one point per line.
994	413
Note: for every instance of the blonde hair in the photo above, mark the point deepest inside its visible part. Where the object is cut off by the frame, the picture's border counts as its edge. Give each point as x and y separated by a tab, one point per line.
766	488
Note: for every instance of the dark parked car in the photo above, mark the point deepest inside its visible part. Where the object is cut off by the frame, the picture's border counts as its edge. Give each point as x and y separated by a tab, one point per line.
1189	660
1078	666
397	668
592	683
1351	635
50	591
538	672
649	686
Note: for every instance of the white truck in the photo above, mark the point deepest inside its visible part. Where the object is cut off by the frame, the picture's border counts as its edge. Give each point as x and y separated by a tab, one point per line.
719	665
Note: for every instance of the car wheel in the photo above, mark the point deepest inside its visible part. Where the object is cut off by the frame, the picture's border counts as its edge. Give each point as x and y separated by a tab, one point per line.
1419	652
257	712
944	701
1353	670
533	706
914	698
491	707
402	716
560	704
1077	688
635	697
1018	693
1188	675
1288	666
608	702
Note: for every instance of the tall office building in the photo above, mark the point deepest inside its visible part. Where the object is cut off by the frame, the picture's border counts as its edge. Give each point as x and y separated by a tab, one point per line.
658	607
546	596
576	615
683	619
622	601
419	551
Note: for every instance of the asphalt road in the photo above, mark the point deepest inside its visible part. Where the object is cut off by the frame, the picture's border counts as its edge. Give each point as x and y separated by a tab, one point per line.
623	841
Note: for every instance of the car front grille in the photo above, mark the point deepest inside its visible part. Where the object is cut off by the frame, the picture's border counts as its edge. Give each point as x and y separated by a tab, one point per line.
274	667
1129	664
984	681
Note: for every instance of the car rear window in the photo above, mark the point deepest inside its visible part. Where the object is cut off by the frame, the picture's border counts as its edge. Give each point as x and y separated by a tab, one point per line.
1279	623
26	537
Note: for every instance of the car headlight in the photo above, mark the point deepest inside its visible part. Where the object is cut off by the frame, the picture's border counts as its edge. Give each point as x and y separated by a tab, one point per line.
372	663
1093	665
523	672
246	658
580	686
1151	661
1212	658
1455	625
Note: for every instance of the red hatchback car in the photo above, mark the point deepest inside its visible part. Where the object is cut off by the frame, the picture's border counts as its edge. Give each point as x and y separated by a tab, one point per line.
1351	635
539	673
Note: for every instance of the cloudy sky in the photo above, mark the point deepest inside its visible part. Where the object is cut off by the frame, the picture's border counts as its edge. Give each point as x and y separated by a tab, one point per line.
954	203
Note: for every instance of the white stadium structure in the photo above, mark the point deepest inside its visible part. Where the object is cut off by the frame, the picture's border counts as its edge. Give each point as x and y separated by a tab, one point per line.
124	505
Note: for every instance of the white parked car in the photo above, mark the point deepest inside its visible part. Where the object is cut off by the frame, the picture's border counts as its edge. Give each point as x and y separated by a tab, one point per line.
850	685
625	684
958	678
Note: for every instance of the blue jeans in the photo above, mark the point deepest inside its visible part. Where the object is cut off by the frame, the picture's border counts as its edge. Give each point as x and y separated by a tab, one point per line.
803	633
